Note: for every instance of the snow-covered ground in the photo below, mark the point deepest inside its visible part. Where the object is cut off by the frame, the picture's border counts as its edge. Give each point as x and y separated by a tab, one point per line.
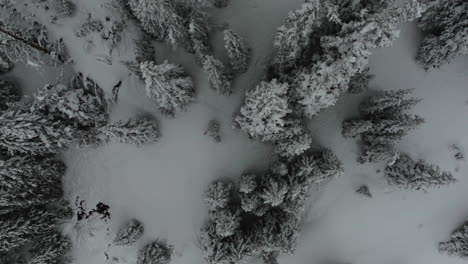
162	185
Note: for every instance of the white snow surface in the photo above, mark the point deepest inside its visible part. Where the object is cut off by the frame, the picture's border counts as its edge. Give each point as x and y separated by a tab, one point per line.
163	184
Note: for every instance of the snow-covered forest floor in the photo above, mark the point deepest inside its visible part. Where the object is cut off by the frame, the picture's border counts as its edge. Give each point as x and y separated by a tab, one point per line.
163	184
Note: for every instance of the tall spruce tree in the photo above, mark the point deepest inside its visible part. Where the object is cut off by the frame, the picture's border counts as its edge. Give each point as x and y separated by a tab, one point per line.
237	50
9	94
23	226
383	123
407	173
51	249
29	181
445	27
133	131
168	85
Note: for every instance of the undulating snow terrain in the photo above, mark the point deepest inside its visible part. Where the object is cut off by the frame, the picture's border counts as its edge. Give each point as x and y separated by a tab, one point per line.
163	184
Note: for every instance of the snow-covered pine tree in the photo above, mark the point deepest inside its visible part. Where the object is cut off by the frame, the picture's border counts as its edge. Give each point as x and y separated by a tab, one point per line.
213	130
81	104
445	25
133	131
162	20
458	243
383	123
29	181
237	50
292	147
9	94
129	233
407	173
265	113
218	196
168	85
269	216
23	226
26	41
156	252
50	249
5	64
218	75
25	132
360	81
319	44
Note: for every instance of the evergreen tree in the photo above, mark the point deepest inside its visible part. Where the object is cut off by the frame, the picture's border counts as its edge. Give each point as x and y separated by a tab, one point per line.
29	181
5	64
132	131
26	41
129	233
167	85
265	114
458	243
23	226
51	249
24	132
416	175
8	94
270	213
382	124
218	195
364	190
218	76
80	105
213	130
445	24
156	252
162	20
323	46
237	50
360	81
291	147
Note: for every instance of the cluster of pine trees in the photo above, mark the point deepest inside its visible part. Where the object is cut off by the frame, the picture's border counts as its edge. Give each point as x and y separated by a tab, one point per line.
262	214
187	25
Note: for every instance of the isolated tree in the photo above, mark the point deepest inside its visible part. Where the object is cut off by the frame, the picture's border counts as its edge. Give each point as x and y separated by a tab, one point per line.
213	130
265	113
168	85
23	226
458	243
364	190
133	131
129	233
29	181
50	249
383	123
162	20
9	94
218	75
237	50
445	25
156	252
417	175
